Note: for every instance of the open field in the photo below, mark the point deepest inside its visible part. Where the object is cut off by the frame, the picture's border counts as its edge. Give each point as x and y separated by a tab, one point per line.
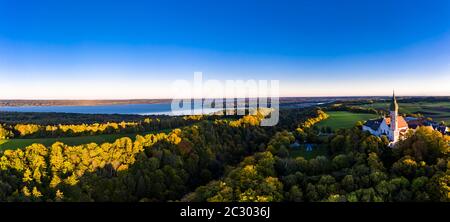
343	119
438	111
22	143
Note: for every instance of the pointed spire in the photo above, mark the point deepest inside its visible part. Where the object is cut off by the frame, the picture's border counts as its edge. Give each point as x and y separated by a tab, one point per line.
394	105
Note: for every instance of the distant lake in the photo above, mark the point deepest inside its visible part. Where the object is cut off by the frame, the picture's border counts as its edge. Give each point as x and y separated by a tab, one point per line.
138	109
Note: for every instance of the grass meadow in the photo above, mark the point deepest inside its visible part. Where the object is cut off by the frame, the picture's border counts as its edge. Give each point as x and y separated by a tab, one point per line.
438	111
344	119
72	141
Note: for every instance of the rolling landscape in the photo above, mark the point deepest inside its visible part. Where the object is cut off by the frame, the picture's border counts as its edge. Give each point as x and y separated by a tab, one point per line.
329	135
429	107
224	109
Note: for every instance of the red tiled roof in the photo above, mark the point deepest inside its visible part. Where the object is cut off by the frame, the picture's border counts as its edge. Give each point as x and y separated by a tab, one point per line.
400	121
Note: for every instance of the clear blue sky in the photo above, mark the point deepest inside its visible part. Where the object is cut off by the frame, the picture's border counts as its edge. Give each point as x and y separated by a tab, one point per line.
134	49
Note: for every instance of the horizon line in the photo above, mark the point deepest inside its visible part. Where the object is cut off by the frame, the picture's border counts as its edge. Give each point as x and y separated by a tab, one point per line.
134	99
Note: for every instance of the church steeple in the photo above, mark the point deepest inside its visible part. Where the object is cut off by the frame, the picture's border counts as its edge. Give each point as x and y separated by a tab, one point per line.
394	105
393	113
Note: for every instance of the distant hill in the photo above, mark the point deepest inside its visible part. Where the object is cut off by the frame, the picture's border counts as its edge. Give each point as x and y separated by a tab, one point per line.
79	102
143	101
283	100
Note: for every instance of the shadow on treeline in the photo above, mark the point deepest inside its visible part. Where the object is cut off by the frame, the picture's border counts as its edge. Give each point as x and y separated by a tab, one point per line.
167	172
163	171
148	179
67	118
143	181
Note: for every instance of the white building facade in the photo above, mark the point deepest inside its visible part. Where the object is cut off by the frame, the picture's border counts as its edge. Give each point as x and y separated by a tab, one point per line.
394	126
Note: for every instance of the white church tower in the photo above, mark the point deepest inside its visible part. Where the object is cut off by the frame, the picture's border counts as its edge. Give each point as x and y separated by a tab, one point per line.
394	133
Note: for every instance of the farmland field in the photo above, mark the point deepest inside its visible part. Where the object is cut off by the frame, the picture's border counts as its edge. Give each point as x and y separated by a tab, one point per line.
73	141
438	111
343	119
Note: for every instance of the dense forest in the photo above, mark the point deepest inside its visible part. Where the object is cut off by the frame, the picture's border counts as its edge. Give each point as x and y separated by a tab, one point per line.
232	159
31	130
12	118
